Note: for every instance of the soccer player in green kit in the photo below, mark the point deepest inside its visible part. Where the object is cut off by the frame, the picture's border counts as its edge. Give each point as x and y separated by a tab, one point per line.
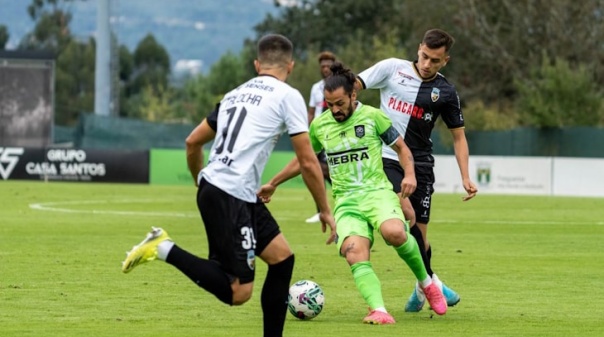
351	135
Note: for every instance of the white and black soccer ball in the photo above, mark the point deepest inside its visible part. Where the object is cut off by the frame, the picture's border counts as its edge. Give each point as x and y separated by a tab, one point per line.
306	299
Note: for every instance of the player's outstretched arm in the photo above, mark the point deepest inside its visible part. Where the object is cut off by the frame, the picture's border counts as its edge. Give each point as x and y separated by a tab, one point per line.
462	154
201	135
405	158
291	170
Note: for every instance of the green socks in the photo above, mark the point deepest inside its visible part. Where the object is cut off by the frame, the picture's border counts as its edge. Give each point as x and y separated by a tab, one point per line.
368	284
409	252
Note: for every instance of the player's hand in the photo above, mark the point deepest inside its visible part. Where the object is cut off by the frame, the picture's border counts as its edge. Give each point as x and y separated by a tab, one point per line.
327	219
408	186
470	188
266	192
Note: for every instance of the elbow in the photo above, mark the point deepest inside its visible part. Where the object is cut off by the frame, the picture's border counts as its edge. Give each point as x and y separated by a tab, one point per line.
190	142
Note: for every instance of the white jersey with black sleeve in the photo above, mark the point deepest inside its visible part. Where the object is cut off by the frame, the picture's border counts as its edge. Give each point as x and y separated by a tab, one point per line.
248	123
413	104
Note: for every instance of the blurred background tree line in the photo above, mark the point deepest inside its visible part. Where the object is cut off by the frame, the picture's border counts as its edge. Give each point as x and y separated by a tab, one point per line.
514	63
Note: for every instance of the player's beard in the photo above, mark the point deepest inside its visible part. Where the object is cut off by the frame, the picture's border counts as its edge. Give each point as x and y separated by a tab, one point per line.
351	109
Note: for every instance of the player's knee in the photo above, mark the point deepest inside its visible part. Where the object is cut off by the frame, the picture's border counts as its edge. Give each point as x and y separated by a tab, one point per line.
394	235
353	254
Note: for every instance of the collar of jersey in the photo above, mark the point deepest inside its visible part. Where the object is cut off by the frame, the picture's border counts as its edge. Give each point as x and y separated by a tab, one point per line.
420	76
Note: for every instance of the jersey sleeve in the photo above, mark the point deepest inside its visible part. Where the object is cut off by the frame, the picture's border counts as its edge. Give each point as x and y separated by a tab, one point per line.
452	115
213	117
384	128
296	117
376	76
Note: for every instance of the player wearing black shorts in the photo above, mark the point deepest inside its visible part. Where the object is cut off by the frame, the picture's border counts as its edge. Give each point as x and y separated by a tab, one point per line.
414	94
244	127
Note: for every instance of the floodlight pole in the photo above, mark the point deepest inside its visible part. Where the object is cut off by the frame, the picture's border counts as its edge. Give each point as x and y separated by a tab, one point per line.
102	73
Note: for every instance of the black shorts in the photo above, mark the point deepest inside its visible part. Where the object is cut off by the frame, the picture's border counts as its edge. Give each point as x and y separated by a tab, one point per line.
237	230
421	199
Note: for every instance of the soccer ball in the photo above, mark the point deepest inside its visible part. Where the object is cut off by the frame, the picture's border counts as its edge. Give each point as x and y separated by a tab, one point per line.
306	299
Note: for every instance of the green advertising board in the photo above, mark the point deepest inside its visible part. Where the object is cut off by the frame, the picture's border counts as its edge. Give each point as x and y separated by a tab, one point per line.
169	167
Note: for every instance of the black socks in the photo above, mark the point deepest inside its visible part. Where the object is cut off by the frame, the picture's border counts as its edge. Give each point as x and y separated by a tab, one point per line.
417	234
275	295
205	273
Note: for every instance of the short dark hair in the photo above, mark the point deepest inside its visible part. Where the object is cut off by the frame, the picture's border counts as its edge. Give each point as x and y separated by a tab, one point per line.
327	55
275	49
340	77
436	38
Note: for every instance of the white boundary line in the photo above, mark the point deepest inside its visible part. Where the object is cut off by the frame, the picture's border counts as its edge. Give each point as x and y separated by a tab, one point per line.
51	207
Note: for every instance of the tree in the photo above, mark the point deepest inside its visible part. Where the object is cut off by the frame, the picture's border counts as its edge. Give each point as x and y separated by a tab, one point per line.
4	36
151	66
504	39
74	91
52	26
558	95
329	24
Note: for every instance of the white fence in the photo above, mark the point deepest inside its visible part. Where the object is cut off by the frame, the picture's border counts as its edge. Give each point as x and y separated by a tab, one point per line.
524	175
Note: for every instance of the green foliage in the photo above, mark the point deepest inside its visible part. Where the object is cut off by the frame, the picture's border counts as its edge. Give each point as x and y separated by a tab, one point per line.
151	66
478	116
155	104
557	95
328	24
51	31
4	36
74	91
226	74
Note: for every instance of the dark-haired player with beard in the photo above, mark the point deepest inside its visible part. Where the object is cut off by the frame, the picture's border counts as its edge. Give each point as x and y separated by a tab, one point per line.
351	134
414	94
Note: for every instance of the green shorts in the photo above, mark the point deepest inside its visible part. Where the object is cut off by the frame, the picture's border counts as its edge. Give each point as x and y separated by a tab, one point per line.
363	214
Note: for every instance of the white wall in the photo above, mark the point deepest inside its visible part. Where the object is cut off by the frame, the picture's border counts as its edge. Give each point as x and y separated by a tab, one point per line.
524	175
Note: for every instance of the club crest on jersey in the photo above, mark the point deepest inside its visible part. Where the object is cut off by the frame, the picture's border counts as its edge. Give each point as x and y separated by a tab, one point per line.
435	94
359	131
251	259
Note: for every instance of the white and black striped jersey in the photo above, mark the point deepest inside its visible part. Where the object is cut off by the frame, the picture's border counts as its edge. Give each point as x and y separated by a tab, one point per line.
413	104
248	123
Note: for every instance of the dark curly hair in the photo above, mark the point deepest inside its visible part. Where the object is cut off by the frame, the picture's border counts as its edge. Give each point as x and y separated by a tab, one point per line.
340	77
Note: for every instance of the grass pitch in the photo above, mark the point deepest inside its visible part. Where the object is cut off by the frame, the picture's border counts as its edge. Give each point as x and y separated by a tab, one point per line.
524	266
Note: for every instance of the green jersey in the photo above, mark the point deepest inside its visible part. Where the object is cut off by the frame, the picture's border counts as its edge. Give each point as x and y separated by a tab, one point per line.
354	149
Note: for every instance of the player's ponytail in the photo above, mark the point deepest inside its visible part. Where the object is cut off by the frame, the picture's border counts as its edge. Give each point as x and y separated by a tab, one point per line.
340	77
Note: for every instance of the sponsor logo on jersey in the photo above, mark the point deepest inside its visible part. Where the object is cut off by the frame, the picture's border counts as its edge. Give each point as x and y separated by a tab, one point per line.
405	76
359	131
435	94
406	108
345	158
251	259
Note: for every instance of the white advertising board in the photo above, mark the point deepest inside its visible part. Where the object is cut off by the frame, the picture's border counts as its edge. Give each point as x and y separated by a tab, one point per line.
497	175
578	177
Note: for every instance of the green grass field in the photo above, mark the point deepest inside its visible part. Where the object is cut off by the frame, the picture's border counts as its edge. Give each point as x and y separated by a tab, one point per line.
524	266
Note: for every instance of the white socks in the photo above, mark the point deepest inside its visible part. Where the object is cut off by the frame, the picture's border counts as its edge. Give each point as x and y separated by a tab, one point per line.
163	249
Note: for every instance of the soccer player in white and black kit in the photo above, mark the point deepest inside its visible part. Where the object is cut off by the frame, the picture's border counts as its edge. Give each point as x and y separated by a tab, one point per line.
316	106
245	128
414	94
